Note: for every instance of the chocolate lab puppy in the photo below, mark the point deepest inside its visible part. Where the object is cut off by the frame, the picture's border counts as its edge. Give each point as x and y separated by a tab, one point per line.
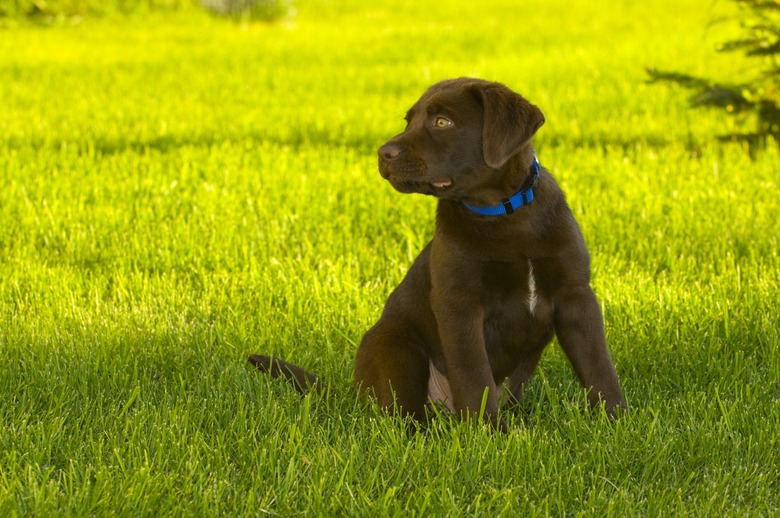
506	270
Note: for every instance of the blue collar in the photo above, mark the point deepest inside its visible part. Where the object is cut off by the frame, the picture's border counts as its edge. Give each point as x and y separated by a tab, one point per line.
525	196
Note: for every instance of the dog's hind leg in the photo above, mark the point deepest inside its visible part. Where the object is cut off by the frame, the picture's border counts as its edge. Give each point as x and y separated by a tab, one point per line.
513	392
392	366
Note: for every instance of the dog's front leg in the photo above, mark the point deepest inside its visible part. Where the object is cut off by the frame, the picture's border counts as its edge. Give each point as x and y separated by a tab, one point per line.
579	326
468	369
456	286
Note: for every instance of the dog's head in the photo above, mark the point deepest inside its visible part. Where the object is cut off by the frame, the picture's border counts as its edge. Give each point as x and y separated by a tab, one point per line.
459	138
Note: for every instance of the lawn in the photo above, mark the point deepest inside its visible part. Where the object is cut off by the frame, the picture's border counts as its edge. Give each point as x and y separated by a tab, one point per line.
178	191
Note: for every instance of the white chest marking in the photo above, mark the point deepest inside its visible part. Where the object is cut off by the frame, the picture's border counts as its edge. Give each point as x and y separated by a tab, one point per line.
531	288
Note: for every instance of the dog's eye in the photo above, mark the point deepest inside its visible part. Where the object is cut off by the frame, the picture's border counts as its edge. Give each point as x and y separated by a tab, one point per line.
441	122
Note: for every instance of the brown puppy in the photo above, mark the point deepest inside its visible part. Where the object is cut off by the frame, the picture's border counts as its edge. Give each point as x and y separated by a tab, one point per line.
506	270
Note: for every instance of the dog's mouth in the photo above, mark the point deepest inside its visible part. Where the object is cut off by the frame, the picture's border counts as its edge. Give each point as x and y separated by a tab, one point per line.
436	187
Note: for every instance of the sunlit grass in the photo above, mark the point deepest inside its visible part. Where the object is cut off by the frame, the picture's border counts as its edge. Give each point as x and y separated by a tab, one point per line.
180	191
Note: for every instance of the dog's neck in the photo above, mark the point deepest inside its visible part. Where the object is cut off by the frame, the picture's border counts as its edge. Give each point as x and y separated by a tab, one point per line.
523	196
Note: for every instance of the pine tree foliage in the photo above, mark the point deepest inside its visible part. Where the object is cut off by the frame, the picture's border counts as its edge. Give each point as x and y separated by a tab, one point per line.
758	97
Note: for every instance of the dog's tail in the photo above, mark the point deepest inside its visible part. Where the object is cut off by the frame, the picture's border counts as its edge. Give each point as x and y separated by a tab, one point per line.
300	379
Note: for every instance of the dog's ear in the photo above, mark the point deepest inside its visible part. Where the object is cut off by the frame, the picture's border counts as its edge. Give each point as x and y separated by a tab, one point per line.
509	121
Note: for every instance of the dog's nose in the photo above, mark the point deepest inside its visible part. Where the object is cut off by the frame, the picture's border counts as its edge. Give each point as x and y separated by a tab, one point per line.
389	151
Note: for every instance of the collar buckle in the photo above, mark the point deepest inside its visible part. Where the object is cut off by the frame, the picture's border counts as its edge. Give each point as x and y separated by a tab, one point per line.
524	196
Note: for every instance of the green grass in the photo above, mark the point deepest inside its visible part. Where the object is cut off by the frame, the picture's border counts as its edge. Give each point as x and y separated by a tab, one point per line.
179	191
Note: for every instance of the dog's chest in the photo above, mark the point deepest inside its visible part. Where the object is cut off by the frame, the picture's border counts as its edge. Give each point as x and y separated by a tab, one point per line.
509	283
517	311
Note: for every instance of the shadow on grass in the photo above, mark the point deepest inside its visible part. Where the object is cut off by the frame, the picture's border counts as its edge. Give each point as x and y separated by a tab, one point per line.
163	144
299	138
